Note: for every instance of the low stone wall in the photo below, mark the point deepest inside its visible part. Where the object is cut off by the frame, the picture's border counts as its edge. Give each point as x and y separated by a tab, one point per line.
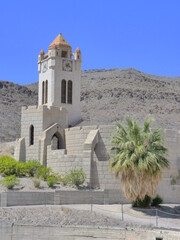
27	232
61	197
58	161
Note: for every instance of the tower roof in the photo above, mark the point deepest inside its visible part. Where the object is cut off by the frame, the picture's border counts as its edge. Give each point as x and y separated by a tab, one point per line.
41	52
59	41
78	50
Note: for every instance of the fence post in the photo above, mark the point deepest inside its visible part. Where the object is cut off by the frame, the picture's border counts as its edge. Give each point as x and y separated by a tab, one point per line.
122	213
156	217
91	201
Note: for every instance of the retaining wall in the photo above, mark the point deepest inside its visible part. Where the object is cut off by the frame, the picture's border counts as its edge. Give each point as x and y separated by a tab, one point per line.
15	198
28	232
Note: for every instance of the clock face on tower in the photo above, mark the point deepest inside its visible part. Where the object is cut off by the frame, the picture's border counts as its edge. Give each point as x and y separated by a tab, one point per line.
67	65
44	66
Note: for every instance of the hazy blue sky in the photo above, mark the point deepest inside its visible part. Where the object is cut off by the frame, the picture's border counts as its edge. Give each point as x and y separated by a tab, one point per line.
110	33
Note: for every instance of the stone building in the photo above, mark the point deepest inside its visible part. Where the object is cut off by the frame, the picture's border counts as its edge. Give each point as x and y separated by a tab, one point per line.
58	102
49	134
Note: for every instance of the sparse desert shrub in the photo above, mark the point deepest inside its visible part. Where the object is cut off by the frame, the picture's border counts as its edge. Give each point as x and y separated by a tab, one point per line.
36	182
51	180
146	202
65	180
77	177
156	201
43	172
7	166
66	210
9	182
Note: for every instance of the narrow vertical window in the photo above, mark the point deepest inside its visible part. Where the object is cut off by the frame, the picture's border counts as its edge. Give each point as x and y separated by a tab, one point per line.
31	135
70	91
42	92
46	92
63	91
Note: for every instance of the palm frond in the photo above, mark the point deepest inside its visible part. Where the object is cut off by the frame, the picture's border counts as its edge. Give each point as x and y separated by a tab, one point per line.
139	157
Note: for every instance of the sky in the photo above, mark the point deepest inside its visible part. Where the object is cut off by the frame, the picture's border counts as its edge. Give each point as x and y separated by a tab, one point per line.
139	34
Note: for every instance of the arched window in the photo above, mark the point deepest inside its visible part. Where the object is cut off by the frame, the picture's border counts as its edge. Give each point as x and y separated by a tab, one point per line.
56	141
31	135
63	91
46	91
70	91
42	92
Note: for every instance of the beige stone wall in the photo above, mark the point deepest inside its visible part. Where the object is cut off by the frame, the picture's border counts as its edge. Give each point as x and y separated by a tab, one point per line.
61	162
31	116
75	138
97	162
41	118
25	232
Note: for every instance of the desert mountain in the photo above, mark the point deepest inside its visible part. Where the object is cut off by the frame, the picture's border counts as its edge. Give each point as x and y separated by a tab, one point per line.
106	96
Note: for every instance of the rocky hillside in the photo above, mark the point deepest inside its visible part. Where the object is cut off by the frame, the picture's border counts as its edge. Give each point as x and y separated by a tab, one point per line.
106	96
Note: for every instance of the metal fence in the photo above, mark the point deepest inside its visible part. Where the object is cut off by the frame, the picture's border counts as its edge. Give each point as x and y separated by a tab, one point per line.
164	216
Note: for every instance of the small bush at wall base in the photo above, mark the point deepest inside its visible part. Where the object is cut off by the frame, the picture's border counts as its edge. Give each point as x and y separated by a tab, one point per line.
146	202
156	201
32	167
77	177
36	182
43	172
51	180
64	180
9	182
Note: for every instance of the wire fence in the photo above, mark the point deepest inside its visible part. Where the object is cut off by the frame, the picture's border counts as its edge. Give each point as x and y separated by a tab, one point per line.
161	217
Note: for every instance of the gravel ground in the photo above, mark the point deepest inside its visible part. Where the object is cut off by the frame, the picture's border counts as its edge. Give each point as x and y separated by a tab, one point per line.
101	216
26	184
57	215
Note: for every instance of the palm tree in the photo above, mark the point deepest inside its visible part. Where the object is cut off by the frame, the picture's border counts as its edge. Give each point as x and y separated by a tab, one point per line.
139	158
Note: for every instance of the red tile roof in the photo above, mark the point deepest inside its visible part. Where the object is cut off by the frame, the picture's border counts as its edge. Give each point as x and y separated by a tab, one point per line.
59	41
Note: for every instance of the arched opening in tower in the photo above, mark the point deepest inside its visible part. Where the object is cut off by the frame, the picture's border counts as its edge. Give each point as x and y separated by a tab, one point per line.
56	141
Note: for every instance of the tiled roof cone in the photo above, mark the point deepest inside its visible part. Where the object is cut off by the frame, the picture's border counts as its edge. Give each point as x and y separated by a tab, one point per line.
41	52
59	41
78	50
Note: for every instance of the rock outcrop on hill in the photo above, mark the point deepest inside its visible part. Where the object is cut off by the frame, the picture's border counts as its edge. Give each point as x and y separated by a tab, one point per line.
106	96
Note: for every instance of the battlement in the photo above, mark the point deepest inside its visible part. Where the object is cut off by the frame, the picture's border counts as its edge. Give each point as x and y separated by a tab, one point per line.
42	108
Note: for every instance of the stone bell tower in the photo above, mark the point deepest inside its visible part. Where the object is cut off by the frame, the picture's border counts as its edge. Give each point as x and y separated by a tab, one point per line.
60	78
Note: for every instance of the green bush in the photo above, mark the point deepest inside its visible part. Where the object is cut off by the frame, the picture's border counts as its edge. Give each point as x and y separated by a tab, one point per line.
32	167
146	202
51	180
9	182
77	177
156	201
43	172
7	166
21	169
36	182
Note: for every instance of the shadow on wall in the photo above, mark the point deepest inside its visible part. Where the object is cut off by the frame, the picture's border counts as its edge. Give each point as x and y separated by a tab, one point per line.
57	142
100	155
